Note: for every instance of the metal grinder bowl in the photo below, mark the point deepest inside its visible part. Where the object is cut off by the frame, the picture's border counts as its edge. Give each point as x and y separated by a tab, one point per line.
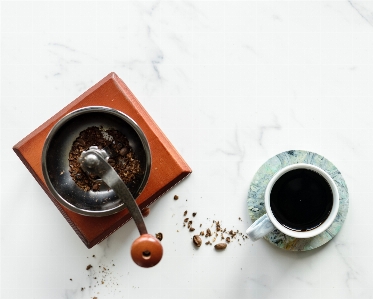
55	163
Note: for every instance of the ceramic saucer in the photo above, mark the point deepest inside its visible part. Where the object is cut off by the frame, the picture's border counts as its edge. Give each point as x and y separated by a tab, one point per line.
263	176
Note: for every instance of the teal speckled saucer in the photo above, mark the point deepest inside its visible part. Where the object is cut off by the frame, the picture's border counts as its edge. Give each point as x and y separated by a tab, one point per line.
263	176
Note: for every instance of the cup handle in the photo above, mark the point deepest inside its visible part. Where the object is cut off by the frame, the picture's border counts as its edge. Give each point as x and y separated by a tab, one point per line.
260	228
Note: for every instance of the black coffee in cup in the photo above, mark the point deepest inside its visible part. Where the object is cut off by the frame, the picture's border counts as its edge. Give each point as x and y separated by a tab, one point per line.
301	199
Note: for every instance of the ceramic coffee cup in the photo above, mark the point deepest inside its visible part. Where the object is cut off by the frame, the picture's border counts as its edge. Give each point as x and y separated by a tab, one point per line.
301	201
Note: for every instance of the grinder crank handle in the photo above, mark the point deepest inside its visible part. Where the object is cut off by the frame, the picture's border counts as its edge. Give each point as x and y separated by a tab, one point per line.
146	250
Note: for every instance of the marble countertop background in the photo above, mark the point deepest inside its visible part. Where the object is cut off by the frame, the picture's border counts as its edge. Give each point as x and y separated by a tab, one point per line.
231	83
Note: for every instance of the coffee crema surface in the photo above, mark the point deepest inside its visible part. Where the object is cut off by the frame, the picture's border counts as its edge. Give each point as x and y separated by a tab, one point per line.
301	200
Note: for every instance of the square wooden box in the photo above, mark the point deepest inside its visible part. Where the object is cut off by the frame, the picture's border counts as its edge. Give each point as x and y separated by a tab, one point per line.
167	169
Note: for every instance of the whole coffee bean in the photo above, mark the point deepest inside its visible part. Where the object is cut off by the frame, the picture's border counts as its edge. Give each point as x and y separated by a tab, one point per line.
145	212
220	246
197	240
95	187
123	151
159	236
111	162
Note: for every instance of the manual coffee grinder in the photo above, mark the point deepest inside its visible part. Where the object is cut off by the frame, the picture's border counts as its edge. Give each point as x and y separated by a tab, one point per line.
113	195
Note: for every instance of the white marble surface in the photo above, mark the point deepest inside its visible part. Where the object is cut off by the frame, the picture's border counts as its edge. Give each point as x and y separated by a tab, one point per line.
231	83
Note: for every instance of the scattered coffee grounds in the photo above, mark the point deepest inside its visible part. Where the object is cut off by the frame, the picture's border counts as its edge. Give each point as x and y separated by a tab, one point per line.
102	276
176	197
122	158
221	246
159	236
219	233
197	240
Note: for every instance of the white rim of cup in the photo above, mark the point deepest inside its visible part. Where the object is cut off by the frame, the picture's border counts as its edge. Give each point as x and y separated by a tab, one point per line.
310	233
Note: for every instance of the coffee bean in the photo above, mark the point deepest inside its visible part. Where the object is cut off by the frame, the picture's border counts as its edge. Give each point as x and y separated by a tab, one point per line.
194	214
123	151
197	240
111	162
186	219
176	197
145	212
79	176
186	212
220	246
191	229
95	187
159	236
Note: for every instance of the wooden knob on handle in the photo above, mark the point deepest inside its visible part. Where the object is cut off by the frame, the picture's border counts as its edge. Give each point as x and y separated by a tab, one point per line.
146	251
